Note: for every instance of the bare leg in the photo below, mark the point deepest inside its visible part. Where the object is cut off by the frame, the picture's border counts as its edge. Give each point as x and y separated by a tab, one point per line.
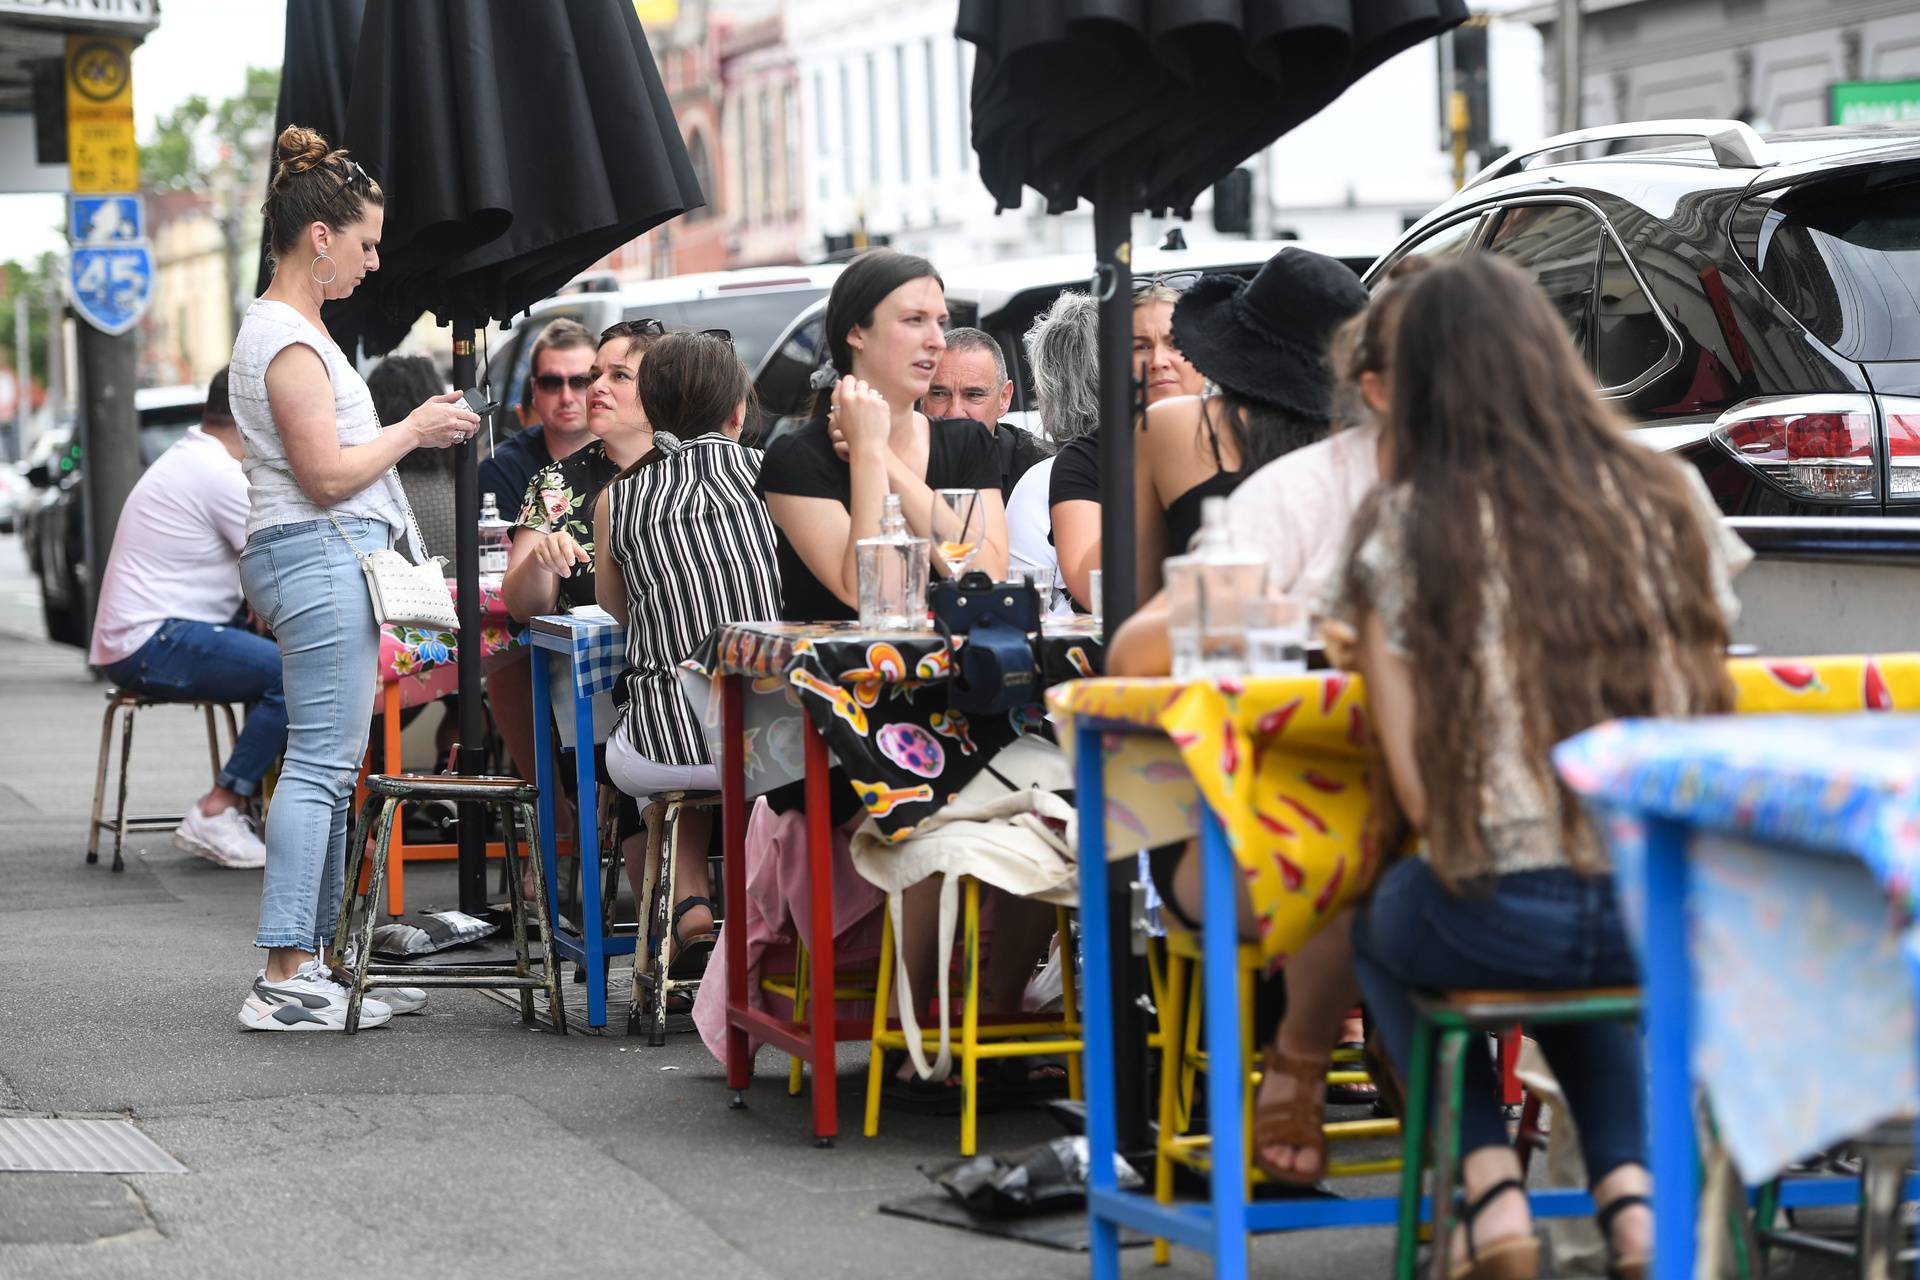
282	961
1505	1216
1633	1227
690	878
510	698
919	947
1021	929
219	800
1321	991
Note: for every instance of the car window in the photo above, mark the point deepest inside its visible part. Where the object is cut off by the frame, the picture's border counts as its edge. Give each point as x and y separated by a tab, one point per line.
1559	246
754	318
782	388
1629	337
1449	241
1843	257
161	429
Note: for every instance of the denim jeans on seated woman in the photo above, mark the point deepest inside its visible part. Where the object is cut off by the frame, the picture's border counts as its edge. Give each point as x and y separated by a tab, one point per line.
306	583
1535	931
217	662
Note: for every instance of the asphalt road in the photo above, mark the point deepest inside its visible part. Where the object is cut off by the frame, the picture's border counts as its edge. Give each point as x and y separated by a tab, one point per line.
457	1143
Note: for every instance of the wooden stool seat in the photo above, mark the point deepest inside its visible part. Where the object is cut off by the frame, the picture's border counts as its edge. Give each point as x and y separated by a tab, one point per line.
452	786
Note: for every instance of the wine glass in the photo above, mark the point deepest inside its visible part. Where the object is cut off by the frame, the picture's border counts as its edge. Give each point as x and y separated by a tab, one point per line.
959	525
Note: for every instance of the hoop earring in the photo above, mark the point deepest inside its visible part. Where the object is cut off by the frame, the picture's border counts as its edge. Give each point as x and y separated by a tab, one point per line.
332	276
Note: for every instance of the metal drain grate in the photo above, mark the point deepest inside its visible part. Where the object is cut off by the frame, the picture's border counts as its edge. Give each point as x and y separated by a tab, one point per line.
36	1144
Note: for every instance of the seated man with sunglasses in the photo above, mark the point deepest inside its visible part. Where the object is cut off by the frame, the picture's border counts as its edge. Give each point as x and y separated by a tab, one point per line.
554	403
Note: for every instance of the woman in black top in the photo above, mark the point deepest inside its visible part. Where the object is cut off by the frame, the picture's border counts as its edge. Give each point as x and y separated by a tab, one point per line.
1262	343
551	564
825	483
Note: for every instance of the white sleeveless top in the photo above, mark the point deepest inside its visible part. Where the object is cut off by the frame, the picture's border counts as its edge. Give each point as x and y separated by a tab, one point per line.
275	496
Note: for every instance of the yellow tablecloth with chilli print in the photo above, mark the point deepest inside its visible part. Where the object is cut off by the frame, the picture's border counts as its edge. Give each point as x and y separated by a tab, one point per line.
1282	763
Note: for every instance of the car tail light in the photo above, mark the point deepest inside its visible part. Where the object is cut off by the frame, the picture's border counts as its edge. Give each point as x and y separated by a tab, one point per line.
1815	447
1902	416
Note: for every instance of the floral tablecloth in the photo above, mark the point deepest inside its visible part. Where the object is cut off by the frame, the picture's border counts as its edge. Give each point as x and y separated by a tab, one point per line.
879	699
1802	932
1281	760
426	664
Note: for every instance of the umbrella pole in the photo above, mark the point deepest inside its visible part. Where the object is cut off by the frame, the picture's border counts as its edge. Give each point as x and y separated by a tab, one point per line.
466	521
1113	254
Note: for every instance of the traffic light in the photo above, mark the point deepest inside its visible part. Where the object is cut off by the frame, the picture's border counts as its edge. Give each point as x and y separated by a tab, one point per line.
1233	204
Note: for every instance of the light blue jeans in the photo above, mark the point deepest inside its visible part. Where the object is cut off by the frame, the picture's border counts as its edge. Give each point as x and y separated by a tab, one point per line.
305	582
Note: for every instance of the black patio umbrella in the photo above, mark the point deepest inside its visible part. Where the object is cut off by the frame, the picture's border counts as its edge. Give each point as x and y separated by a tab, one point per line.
1142	105
516	145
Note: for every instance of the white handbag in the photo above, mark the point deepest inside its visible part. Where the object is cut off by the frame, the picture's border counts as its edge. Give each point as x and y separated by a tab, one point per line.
406	593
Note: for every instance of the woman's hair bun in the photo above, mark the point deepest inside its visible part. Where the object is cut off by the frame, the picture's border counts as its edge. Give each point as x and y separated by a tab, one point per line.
301	149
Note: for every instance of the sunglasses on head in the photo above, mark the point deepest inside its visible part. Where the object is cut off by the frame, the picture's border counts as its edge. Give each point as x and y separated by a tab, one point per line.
1178	281
649	327
551	382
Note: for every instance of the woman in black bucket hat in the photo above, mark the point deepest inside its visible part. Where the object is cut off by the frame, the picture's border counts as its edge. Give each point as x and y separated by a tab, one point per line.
1262	345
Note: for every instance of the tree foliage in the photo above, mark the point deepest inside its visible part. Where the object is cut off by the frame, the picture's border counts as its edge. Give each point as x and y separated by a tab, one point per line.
191	143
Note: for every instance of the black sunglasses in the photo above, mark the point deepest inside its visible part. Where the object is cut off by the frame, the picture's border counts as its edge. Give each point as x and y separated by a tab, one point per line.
552	382
649	327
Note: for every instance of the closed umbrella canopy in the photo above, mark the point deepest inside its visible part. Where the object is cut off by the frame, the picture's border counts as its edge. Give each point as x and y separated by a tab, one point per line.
1175	93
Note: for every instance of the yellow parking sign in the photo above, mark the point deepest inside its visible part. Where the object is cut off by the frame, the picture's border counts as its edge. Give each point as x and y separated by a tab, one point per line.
100	148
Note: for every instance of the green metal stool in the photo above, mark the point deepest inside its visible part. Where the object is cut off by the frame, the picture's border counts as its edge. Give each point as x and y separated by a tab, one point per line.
1444	1028
1885	1154
512	798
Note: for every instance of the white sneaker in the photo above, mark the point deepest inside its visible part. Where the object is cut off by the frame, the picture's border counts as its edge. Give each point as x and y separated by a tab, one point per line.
308	1001
225	839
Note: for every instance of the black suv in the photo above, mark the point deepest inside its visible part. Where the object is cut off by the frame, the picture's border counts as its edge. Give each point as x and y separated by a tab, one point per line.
1751	303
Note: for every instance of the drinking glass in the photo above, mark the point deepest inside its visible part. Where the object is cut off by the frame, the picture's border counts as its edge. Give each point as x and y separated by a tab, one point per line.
959	525
1276	636
1042	580
1093	590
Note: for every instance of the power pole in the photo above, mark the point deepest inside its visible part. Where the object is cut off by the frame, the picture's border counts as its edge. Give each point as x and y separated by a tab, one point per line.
22	376
56	353
1570	73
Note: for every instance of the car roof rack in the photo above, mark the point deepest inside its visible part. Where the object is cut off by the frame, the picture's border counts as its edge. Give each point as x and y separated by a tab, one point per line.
1735	145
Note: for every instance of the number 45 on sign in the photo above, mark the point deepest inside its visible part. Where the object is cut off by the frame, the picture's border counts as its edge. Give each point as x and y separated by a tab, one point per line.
111	285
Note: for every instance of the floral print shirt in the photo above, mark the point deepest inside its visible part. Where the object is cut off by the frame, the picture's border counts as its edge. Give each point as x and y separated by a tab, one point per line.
560	499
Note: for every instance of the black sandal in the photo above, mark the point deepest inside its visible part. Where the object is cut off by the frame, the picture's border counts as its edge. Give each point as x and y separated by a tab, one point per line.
1619	1268
914	1095
1353	1095
690	954
1514	1257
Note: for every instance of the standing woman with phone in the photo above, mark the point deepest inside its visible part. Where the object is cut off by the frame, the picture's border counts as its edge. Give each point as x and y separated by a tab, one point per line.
320	473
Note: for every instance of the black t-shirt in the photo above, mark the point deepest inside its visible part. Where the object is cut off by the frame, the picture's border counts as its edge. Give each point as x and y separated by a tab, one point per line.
504	472
803	463
1076	472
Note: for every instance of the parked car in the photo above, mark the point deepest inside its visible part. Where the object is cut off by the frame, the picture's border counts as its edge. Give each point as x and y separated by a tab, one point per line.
56	533
1005	298
14	490
752	303
1746	300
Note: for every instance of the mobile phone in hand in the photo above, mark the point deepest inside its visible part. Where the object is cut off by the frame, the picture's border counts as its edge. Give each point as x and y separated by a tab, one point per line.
476	399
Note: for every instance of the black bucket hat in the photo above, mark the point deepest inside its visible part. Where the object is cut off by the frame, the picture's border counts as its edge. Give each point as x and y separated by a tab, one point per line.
1265	339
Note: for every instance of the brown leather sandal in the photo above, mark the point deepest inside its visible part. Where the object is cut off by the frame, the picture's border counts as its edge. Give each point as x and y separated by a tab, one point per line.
1292	1122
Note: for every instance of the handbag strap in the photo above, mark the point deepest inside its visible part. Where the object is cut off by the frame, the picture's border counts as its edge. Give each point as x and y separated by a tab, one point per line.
413	528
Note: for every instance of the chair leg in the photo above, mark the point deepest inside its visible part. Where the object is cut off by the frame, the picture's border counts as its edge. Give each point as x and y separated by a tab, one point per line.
668	879
516	907
356	867
882	989
1191	1053
120	813
802	984
970	1024
1248	1055
1069	998
100	782
639	1011
1451	1088
363	941
540	891
1172	1041
213	741
1413	1128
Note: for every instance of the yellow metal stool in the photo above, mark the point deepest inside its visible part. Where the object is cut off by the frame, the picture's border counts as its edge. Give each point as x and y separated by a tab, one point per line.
978	1041
1182	1059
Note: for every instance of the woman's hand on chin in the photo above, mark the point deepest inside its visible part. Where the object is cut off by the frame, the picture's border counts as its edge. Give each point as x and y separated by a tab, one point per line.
860	420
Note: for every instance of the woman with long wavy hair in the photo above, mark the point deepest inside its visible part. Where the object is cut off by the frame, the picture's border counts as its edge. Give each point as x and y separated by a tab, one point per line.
1523	572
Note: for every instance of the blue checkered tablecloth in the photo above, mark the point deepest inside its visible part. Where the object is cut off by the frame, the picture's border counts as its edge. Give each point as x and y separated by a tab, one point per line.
597	646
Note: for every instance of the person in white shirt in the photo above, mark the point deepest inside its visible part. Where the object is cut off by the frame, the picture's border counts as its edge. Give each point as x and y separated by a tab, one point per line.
170	626
1063	348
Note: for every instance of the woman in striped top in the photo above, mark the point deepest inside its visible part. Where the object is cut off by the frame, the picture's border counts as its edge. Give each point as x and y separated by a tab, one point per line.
684	544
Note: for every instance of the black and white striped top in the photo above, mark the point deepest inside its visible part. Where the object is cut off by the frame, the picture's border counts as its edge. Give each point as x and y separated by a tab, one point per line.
694	545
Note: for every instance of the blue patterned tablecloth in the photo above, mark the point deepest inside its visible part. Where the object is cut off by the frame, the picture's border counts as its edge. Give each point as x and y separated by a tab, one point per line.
1802	933
597	643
